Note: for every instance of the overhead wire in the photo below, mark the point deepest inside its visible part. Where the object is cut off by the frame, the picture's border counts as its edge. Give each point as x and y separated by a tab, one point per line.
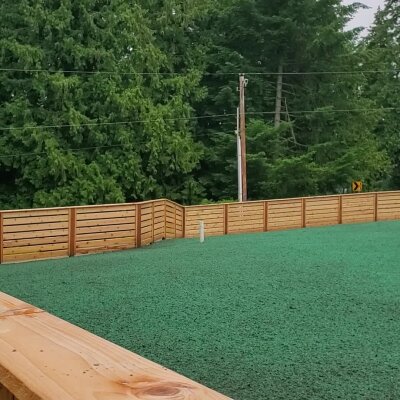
139	121
271	73
211	116
327	110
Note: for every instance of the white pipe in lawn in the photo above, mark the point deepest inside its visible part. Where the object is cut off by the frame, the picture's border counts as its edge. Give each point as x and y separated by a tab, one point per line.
202	231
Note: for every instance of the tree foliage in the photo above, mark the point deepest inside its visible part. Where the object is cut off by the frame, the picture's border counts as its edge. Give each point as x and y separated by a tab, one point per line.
96	156
124	100
382	49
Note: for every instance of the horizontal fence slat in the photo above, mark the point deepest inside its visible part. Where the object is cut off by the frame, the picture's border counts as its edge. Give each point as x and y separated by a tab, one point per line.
106	242
103	222
105	235
35	213
103	208
35	227
106	228
35	220
35	256
106	215
35	249
37	234
36	241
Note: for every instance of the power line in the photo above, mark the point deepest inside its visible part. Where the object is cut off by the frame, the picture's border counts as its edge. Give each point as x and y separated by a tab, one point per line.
68	150
326	72
114	123
81	72
224	115
356	110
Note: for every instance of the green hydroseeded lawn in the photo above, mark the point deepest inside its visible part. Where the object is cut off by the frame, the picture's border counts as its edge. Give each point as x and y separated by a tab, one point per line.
306	314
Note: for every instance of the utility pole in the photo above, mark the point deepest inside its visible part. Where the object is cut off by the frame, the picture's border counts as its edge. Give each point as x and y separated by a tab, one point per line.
278	105
239	155
242	126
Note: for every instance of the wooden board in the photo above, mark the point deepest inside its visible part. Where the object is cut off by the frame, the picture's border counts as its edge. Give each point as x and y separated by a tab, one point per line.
388	206
322	211
35	234
173	220
212	215
100	229
62	361
12	306
245	217
11	258
284	214
5	394
358	208
105	208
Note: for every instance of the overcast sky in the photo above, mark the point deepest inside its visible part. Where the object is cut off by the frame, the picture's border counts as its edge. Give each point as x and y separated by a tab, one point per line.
365	17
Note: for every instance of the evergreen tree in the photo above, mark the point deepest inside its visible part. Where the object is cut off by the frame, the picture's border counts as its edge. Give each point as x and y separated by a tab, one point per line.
93	158
382	50
319	152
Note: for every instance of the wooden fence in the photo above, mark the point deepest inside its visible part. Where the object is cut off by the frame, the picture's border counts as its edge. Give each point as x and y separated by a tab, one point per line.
45	358
61	232
65	232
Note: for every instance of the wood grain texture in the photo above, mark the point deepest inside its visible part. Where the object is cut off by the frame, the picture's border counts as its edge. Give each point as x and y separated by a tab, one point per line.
35	227
266	216
72	232
212	215
303	213
244	217
226	219
11	306
36	220
63	362
183	222
322	211
13	258
1	238
5	394
360	208
138	225
285	214
38	212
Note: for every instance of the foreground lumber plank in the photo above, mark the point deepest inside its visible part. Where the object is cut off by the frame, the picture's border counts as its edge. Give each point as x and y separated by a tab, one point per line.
43	357
11	306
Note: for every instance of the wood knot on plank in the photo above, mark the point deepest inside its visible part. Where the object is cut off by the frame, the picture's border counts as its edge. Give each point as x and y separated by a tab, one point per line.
149	389
20	311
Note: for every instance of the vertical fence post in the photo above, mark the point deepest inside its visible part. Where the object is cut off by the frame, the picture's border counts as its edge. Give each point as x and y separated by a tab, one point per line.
266	216
138	225
183	222
1	238
376	207
303	212
165	219
341	209
226	212
153	222
175	220
72	232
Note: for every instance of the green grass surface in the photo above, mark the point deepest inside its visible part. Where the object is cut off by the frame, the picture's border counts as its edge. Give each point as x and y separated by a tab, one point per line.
308	314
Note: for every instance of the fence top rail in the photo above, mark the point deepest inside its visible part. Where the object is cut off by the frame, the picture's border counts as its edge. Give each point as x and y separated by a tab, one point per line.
82	207
44	357
196	206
